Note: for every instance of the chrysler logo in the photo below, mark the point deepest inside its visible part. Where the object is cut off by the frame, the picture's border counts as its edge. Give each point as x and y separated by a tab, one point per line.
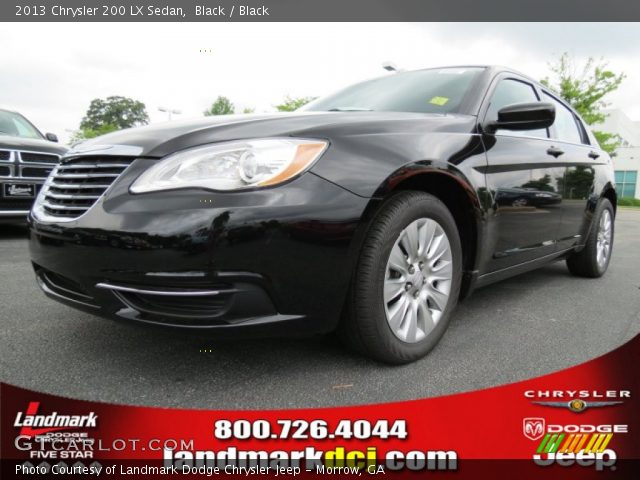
577	405
533	428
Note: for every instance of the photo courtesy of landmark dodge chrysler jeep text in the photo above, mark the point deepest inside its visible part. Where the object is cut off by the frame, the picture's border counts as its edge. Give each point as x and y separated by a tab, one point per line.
371	211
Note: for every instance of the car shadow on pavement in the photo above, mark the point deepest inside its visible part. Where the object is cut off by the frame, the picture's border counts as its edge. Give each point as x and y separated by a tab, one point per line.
13	231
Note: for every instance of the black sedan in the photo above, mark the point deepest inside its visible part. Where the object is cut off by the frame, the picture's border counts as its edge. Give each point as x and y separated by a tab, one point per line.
372	211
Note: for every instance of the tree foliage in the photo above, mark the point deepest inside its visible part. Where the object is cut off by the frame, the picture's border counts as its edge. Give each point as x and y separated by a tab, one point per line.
221	106
87	133
290	104
585	88
119	112
108	115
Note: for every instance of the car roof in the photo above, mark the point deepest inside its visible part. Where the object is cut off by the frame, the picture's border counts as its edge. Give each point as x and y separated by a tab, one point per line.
493	69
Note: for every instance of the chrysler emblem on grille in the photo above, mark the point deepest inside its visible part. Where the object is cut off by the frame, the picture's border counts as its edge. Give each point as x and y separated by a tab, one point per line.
87	149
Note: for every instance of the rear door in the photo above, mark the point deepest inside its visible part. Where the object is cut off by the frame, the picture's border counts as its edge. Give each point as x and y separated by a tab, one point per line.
580	159
524	177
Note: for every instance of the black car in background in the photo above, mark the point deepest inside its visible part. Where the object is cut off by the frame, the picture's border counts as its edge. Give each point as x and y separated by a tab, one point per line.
26	159
371	211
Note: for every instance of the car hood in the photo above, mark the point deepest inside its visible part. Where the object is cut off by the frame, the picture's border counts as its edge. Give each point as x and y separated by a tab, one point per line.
8	142
165	138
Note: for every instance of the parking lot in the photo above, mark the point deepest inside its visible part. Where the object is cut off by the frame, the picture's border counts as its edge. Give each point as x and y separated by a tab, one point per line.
527	326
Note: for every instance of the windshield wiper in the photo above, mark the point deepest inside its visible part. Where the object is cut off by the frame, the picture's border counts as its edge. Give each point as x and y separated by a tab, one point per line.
350	109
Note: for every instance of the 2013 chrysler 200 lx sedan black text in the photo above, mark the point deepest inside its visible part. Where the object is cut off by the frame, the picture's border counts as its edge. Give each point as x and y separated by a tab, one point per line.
371	211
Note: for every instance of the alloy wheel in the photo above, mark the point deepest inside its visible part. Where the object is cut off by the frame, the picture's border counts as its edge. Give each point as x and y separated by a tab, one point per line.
418	280
603	246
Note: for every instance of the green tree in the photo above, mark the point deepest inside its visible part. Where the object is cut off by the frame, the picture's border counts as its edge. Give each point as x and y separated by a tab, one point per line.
290	104
119	112
85	134
222	106
585	88
108	115
248	110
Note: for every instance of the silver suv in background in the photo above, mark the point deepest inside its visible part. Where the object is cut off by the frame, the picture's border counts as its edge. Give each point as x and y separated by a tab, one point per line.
26	159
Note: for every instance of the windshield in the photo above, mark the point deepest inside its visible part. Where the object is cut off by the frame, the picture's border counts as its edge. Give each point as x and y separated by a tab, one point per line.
424	91
16	125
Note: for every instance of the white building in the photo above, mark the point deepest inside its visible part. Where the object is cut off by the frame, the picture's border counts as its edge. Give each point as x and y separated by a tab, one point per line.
627	158
627	166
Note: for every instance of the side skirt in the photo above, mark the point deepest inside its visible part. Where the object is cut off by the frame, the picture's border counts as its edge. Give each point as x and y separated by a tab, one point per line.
488	278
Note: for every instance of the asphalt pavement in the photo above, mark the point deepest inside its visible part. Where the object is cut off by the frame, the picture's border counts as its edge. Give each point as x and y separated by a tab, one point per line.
520	328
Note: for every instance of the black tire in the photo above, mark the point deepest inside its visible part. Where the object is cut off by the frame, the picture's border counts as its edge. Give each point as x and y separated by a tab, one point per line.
364	326
585	262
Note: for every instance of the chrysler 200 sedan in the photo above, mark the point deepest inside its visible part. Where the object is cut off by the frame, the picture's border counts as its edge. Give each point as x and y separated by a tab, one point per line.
372	211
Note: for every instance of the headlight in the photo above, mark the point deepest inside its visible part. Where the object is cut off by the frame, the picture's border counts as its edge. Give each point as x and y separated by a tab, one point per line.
232	165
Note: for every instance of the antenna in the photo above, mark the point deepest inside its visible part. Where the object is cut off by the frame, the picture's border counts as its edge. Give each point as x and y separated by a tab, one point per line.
390	67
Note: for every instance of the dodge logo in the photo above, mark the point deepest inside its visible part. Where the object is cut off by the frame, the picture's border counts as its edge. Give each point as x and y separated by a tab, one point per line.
533	428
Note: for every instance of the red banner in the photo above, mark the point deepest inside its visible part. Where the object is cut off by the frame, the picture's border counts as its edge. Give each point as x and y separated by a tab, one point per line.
581	422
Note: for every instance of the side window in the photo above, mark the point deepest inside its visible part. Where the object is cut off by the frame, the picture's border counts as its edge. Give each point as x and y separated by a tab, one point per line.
583	132
566	127
509	92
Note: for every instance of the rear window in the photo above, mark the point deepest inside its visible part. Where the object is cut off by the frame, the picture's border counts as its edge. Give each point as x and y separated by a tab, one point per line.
566	126
424	91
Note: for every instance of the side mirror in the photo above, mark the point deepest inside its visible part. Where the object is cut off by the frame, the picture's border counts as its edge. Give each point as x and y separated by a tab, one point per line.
524	116
52	137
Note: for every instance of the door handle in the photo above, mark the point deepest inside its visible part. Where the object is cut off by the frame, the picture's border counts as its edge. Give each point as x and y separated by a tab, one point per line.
593	154
555	151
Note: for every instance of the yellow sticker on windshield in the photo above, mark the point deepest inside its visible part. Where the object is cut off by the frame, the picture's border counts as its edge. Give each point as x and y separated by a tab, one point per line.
440	101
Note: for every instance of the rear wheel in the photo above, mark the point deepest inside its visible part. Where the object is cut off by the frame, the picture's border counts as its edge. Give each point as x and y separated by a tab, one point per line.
593	260
407	281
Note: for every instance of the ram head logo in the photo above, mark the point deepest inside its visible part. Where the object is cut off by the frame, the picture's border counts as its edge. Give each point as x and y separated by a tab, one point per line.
533	428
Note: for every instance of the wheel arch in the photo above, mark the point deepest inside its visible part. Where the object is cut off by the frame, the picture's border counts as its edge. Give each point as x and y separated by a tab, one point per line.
610	194
452	188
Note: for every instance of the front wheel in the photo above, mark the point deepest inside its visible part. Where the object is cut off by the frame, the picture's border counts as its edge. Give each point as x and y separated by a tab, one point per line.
593	260
407	281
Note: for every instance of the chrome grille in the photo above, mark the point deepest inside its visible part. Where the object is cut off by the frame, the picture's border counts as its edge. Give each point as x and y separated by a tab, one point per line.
29	165
33	157
36	172
76	184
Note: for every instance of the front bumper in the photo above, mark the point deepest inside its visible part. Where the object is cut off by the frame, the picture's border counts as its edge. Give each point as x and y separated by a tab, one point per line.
15	208
268	261
14	214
